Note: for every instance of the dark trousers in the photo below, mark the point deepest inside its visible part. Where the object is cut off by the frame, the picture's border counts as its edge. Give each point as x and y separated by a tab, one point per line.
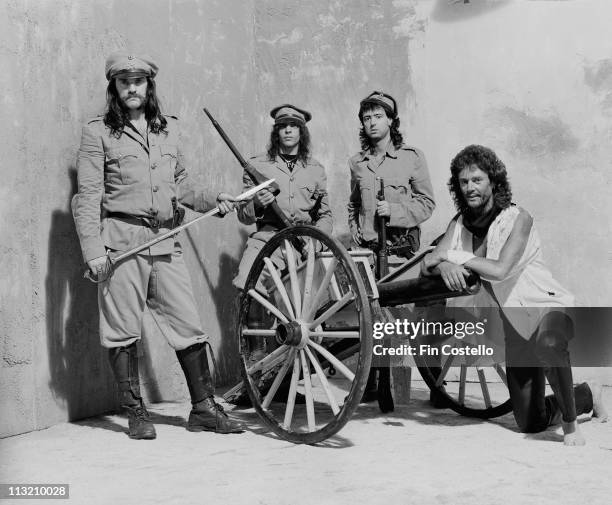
530	362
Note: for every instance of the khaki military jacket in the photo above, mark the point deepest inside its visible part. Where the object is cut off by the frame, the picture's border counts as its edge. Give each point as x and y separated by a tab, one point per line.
300	190
125	174
407	184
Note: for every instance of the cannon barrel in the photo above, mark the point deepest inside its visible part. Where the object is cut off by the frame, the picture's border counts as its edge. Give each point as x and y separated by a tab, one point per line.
425	289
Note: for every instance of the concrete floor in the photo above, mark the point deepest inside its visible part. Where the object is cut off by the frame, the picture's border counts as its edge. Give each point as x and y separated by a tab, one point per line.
415	455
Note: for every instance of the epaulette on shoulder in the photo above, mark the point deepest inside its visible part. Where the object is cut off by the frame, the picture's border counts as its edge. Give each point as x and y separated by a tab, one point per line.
259	155
409	148
171	116
96	119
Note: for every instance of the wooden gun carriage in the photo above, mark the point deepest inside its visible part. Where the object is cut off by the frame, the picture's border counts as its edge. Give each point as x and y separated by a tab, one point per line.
309	305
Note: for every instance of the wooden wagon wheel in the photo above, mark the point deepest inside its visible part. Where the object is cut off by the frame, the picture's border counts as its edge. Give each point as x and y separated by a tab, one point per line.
468	390
472	391
311	312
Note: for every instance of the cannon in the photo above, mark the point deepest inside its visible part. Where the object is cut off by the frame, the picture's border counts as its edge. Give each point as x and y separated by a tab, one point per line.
309	307
305	331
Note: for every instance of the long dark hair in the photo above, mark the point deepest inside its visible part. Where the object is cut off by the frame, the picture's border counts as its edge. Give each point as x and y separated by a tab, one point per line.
488	162
303	145
116	116
396	137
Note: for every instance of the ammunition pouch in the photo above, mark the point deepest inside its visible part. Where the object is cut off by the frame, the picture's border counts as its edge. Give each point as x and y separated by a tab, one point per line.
403	242
178	213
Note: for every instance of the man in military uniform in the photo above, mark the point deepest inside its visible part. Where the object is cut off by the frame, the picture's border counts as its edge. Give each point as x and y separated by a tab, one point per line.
302	198
131	166
301	179
408	194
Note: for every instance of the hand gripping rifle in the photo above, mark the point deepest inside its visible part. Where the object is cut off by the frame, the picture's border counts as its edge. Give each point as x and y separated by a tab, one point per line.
385	398
112	261
257	178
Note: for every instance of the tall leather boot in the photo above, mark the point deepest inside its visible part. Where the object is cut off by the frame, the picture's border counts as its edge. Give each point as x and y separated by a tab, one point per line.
206	414
124	362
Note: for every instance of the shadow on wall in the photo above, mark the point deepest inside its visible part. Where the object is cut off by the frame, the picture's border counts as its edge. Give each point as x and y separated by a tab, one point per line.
226	300
79	373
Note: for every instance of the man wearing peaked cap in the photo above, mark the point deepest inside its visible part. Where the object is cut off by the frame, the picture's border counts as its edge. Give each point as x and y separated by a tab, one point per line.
130	164
408	194
128	64
287	113
302	198
301	179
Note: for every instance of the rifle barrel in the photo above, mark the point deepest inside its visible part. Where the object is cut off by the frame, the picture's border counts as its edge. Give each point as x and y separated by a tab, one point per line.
226	139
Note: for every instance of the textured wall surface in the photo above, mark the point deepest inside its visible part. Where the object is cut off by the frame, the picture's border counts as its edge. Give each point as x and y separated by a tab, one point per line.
530	78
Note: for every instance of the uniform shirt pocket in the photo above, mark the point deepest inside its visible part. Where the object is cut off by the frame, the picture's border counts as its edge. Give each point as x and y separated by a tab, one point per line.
124	164
168	161
309	191
397	190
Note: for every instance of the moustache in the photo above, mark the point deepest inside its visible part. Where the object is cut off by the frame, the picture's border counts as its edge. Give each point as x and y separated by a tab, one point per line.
135	95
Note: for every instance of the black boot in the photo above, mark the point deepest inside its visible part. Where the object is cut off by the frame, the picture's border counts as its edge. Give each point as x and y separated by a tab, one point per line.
124	362
206	414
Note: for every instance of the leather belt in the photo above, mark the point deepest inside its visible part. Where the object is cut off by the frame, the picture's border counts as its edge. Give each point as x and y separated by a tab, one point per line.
150	222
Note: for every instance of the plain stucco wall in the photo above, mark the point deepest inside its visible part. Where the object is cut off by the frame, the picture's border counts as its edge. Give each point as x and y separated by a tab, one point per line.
529	78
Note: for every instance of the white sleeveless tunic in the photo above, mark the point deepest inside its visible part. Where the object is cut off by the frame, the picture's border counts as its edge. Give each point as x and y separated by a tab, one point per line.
529	285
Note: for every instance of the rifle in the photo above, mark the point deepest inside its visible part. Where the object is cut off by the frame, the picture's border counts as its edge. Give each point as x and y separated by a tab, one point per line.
254	174
382	259
257	178
385	397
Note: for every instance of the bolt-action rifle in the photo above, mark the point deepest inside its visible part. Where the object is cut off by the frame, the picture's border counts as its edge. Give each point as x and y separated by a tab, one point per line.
385	397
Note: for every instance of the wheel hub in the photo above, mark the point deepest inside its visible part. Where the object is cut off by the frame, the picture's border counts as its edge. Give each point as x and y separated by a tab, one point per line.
293	333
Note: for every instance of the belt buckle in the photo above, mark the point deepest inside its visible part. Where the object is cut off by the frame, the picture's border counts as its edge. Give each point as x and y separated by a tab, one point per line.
151	222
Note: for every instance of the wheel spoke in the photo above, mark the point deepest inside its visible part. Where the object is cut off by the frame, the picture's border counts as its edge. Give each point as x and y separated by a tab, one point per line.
258	333
337	364
502	374
292	390
462	379
268	305
295	285
310	264
310	311
445	369
308	392
272	359
333	309
335	334
278	379
279	286
324	382
484	387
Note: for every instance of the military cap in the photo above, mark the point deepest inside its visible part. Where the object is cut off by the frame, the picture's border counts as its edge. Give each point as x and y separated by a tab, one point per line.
379	98
286	113
129	64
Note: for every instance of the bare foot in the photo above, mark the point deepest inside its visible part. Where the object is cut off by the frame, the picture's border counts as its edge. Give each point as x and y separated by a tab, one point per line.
572	434
600	413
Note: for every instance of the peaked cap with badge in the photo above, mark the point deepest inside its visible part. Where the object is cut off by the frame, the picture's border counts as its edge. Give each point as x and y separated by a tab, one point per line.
287	113
129	65
380	98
